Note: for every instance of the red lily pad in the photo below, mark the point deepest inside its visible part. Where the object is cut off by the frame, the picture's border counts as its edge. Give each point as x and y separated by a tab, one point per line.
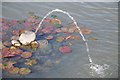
65	49
27	24
6	52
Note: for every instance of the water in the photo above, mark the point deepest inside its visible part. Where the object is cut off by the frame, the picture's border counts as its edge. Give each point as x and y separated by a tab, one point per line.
94	67
100	17
58	10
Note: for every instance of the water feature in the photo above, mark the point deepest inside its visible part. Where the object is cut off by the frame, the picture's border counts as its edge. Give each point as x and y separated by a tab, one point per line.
101	18
95	68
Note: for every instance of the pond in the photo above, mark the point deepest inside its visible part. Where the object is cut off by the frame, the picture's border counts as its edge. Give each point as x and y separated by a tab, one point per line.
101	18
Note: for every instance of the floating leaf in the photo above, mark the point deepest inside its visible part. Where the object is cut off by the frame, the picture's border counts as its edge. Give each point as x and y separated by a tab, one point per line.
14	70
93	39
31	62
9	64
49	37
60	39
65	49
24	71
43	43
26	54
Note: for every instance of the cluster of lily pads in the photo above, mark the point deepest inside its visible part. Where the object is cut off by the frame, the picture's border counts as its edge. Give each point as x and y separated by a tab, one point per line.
20	43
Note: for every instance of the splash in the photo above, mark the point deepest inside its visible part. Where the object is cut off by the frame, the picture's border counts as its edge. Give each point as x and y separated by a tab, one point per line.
98	69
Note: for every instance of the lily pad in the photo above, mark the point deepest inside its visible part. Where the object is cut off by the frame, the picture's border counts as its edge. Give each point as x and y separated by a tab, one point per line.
31	62
49	37
86	30
8	65
43	43
26	54
60	39
14	70
65	49
24	71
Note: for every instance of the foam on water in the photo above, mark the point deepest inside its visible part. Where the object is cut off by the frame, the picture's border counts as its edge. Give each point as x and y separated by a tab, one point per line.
95	68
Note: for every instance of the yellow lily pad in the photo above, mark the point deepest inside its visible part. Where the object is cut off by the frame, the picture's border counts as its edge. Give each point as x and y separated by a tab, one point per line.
24	71
60	39
14	70
26	54
31	62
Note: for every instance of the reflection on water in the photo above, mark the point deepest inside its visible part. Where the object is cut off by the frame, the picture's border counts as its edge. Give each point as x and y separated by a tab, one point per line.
100	17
